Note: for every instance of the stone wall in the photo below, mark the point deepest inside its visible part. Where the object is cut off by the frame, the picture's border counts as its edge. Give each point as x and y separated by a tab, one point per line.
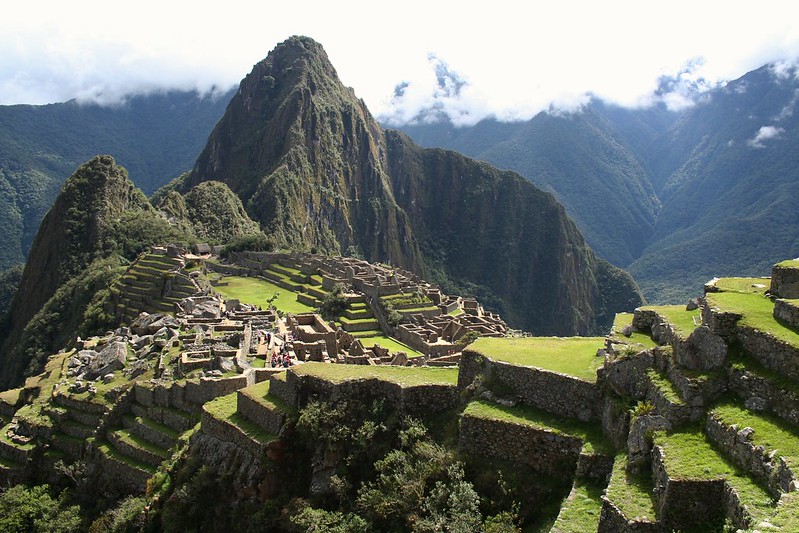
785	282
555	393
787	311
227	432
686	503
615	421
545	451
721	323
271	420
762	394
770	351
773	471
612	520
695	504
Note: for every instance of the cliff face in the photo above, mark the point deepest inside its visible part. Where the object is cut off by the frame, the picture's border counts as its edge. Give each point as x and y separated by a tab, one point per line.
314	168
494	228
307	159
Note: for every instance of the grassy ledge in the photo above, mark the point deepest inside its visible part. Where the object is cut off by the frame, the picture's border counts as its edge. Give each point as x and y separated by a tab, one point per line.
573	356
757	312
224	408
401	375
631	493
689	455
625	319
770	432
580	510
744	285
257	292
665	385
591	434
684	321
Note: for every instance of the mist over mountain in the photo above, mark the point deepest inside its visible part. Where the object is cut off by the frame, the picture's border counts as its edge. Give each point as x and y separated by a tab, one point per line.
678	197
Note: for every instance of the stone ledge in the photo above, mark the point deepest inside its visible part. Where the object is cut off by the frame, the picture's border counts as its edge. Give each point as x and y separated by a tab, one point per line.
553	392
787	311
268	417
553	454
773	471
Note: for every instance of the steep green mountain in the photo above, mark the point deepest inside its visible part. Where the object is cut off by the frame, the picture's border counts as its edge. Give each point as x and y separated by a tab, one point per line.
677	197
156	137
491	228
98	221
307	159
210	210
581	159
314	168
732	205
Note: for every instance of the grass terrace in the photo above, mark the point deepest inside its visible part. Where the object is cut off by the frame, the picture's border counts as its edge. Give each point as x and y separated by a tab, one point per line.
665	385
631	493
757	312
574	356
790	263
591	434
689	455
745	285
260	393
225	408
580	510
770	432
401	375
392	345
257	292
624	319
684	322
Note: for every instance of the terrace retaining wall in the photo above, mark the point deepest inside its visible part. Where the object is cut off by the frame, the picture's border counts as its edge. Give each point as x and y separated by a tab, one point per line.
773	471
553	392
544	451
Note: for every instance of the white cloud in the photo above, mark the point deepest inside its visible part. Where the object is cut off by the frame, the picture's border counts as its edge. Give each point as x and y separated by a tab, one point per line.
516	61
765	133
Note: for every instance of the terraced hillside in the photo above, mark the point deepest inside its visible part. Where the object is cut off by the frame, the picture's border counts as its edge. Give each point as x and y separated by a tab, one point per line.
682	418
154	283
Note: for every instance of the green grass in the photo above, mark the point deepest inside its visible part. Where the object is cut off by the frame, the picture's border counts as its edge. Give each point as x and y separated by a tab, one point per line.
224	408
458	311
580	511
108	450
786	516
392	345
623	319
128	437
689	455
352	321
631	493
257	292
746	285
591	434
574	356
403	376
665	385
684	322
11	397
790	263
260	393
770	432
757	312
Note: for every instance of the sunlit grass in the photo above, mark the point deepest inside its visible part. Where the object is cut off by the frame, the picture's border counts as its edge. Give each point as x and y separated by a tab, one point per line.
574	356
257	291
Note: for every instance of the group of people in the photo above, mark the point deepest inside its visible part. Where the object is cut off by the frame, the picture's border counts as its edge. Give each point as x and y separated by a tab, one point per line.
282	357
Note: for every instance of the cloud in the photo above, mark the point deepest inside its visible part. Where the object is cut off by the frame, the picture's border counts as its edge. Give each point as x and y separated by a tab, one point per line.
447	59
765	133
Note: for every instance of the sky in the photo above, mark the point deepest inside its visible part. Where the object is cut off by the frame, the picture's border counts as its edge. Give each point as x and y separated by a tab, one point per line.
503	59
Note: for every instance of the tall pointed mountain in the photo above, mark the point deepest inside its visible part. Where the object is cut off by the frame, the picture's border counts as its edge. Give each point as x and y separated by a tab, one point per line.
308	160
311	164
